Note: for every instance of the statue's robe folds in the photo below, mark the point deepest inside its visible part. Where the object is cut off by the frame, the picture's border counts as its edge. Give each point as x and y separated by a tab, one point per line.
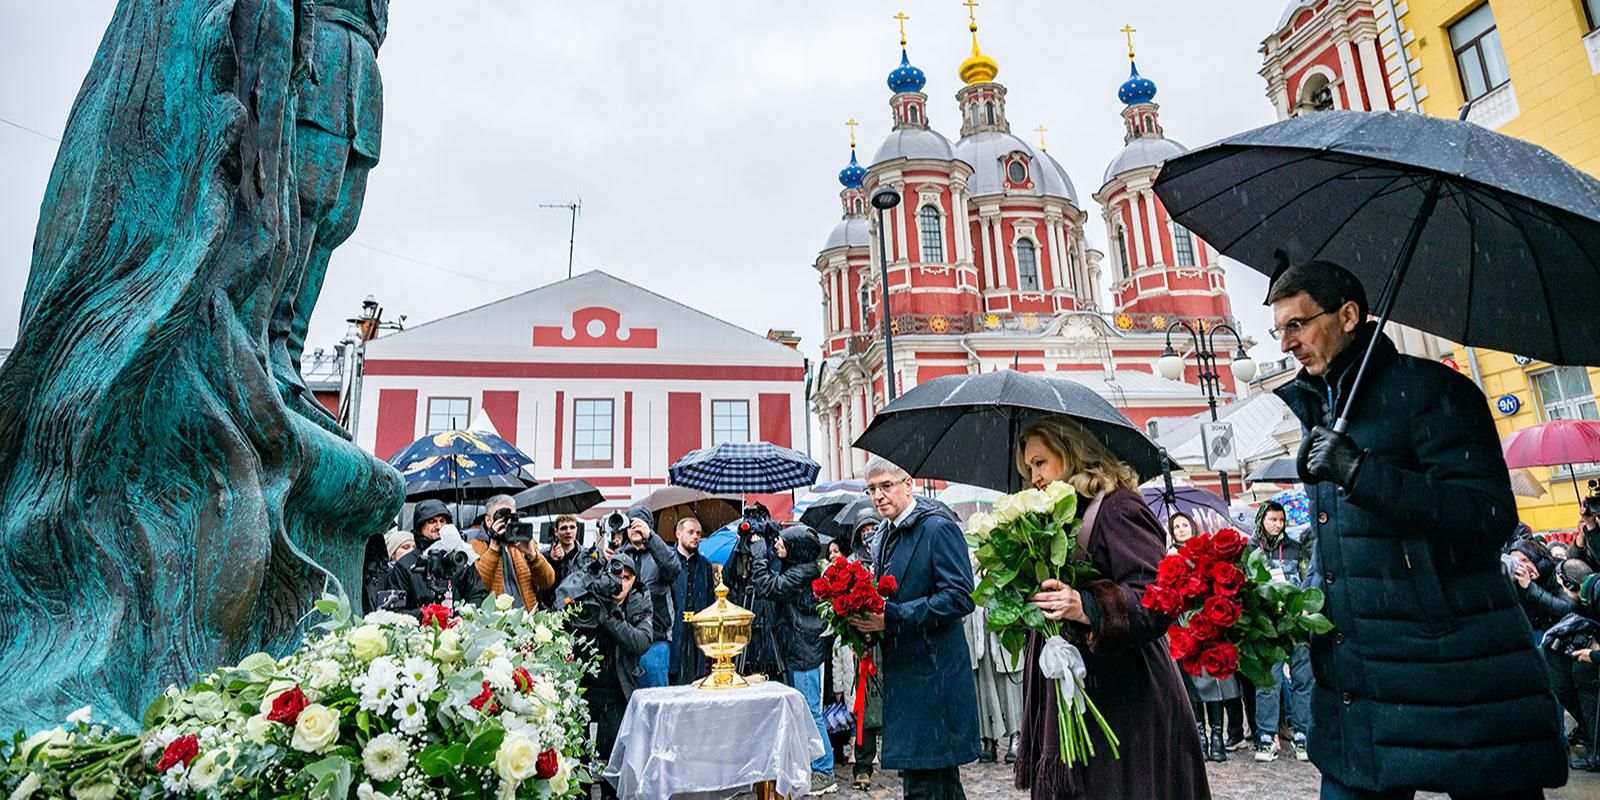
162	512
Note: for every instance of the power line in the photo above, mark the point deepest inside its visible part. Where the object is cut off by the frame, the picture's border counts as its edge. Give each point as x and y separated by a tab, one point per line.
19	126
419	262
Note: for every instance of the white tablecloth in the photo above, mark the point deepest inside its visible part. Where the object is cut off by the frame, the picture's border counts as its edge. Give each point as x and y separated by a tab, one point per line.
682	741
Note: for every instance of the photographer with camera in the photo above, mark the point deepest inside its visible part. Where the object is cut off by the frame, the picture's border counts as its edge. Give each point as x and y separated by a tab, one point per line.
431	573
800	631
609	612
508	562
761	655
657	566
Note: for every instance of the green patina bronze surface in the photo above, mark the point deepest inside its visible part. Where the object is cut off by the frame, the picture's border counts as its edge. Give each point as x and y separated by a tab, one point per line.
170	499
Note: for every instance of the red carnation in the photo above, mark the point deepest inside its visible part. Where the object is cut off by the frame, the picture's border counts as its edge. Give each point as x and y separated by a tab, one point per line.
1220	611
1227	579
286	707
1221	660
182	750
1227	544
521	679
887	585
437	614
1180	643
485	699
545	768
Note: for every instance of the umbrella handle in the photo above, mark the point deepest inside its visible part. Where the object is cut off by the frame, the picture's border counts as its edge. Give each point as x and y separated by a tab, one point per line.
1391	294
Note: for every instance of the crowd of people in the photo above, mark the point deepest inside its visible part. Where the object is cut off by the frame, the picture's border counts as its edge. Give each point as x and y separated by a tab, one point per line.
1450	651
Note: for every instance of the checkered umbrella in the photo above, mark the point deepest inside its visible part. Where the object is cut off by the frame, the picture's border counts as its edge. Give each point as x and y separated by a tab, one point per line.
744	467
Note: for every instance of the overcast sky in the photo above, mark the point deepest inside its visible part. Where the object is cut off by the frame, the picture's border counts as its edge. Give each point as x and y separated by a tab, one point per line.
704	138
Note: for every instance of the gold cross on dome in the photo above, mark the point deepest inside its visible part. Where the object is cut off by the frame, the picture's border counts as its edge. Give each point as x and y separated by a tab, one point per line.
971	15
1128	31
852	123
902	17
1041	129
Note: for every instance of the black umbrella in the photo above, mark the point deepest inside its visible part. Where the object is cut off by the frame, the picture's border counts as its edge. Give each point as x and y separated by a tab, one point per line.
559	497
1278	470
840	520
1504	236
477	488
964	428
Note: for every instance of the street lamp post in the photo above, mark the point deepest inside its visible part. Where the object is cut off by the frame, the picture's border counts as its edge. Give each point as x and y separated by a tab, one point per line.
884	199
1205	352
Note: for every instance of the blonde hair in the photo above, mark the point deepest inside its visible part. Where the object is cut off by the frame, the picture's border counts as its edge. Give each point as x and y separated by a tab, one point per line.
1088	466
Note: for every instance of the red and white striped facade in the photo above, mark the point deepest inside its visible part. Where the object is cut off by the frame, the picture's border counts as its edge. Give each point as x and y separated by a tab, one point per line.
1325	54
657	368
988	268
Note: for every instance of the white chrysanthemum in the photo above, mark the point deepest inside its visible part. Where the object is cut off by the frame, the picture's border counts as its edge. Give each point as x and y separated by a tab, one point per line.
385	757
410	713
176	780
207	770
545	689
382	617
420	675
379	686
498	673
324	672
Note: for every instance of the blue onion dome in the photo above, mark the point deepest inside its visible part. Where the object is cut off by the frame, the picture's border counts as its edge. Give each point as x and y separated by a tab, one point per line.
905	77
850	177
1137	89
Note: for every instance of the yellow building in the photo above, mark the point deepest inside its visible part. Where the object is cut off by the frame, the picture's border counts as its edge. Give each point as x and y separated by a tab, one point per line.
1532	70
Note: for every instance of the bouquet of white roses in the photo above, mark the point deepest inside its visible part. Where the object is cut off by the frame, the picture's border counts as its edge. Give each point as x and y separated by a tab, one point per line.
1030	538
476	702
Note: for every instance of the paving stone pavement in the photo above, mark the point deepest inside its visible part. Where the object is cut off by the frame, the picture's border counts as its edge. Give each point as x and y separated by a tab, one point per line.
1240	778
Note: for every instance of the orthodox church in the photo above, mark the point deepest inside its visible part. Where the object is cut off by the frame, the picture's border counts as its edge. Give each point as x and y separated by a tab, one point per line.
989	266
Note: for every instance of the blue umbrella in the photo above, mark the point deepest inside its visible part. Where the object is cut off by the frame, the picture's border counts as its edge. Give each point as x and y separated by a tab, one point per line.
457	456
744	467
1206	509
1296	506
718	546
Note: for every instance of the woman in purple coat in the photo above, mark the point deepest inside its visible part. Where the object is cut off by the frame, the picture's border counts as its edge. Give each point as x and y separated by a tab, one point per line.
1131	678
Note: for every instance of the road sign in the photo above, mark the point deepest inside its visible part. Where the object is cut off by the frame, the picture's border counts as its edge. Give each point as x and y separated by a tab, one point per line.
1221	455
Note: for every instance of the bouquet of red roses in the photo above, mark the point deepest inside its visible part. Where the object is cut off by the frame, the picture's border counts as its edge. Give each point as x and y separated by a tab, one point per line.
1232	615
846	589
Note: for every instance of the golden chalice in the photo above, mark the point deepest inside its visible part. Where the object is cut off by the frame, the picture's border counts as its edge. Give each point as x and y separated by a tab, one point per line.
722	631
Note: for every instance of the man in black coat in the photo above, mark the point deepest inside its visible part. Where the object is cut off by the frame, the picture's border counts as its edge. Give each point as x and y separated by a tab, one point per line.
799	627
693	590
1429	680
930	702
408	588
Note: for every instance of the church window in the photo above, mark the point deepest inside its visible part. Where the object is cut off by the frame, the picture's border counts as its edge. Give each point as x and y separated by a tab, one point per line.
911	114
1123	265
1072	258
1479	57
864	298
932	236
989	110
1027	266
856	204
1149	125
1017	171
1182	245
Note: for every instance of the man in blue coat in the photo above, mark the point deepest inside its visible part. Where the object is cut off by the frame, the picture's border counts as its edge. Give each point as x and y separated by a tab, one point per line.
930	703
1429	680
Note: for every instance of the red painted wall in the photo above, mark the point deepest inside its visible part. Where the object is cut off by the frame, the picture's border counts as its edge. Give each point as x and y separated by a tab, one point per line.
774	412
397	420
561	409
627	430
683	424
502	410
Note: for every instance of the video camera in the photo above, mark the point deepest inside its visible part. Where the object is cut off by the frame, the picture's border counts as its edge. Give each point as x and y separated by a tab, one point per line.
516	531
437	565
757	521
614	525
590	589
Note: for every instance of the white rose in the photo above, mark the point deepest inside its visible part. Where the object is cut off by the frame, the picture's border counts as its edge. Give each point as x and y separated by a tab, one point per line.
503	602
316	730
561	780
1059	491
258	728
368	642
448	650
518	758
81	715
980	523
207	771
1036	502
385	757
29	785
50	742
1008	507
542	635
366	792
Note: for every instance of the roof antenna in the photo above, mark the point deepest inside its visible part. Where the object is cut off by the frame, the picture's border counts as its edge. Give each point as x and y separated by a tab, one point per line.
572	234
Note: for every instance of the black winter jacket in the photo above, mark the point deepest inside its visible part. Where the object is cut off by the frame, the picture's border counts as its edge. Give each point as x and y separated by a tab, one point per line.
1430	679
464	585
799	628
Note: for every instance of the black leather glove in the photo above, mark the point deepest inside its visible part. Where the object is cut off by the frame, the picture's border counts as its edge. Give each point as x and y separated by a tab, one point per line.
1332	456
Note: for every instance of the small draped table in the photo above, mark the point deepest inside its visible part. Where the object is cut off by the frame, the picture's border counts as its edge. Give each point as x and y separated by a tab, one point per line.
683	742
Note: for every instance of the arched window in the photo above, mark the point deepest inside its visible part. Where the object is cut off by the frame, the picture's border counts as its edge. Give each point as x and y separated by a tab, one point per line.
913	115
857	204
1182	245
864	298
988	109
1027	266
932	236
1123	265
1072	258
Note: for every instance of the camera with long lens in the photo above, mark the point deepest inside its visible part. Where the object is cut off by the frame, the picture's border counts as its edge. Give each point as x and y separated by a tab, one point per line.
437	565
614	526
516	531
590	590
756	523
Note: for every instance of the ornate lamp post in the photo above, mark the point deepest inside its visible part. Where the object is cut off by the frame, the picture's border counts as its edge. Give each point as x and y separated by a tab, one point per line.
884	199
1171	367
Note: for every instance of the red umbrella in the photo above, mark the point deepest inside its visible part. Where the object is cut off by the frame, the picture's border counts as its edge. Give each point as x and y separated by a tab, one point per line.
1554	443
